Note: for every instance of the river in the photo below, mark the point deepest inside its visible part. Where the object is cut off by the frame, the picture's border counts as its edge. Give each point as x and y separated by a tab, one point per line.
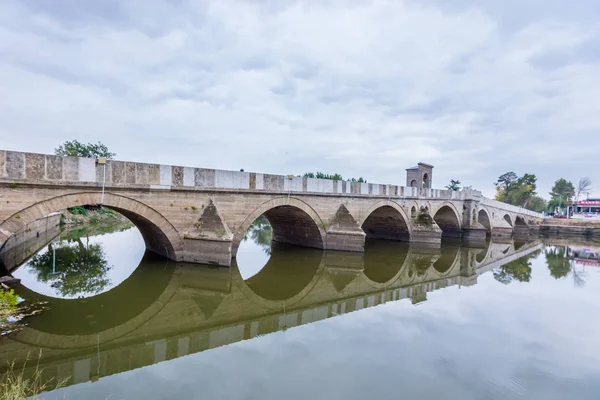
504	321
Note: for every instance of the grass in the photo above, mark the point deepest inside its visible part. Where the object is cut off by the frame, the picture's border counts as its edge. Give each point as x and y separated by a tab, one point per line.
78	210
15	385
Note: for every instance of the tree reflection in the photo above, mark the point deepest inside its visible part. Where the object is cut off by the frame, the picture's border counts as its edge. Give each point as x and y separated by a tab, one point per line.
261	233
79	268
519	270
558	262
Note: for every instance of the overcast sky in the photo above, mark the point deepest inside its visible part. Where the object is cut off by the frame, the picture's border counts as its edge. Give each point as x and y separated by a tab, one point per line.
363	88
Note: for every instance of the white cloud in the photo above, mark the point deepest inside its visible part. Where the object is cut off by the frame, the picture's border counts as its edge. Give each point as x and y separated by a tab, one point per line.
362	88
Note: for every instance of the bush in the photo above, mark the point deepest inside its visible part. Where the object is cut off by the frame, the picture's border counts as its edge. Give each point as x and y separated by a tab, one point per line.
78	210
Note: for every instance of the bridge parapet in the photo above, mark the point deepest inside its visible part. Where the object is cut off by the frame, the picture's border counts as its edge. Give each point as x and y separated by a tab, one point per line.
508	207
46	168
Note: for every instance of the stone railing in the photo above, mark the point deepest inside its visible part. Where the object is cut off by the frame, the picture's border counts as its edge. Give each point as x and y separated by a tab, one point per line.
37	168
508	207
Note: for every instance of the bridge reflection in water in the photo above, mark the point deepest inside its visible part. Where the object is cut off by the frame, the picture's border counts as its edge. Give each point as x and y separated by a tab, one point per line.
166	310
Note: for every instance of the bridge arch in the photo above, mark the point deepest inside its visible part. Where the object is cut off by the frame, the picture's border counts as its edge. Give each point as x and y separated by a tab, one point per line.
508	219
483	217
159	234
386	220
293	222
448	219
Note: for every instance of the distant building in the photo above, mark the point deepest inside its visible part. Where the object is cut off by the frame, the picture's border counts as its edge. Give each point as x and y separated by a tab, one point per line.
419	176
589	206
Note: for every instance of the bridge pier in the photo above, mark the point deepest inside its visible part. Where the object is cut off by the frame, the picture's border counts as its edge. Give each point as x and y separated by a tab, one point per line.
475	236
426	234
502	232
346	241
207	251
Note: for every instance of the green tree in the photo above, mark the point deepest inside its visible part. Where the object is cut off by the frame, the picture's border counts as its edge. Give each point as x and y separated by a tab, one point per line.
537	204
454	185
81	269
74	148
504	186
524	190
562	193
515	190
558	263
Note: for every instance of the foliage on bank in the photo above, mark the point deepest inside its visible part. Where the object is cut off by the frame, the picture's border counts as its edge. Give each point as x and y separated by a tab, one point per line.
17	384
335	177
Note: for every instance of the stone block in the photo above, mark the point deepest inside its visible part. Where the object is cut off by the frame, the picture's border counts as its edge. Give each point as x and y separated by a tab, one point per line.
153	174
177	176
141	174
15	165
166	175
54	167
70	168
130	172
273	182
260	181
117	172
207	178
35	166
252	181
2	163
189	176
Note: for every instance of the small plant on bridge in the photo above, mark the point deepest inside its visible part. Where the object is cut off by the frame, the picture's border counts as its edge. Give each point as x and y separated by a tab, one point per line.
424	219
220	232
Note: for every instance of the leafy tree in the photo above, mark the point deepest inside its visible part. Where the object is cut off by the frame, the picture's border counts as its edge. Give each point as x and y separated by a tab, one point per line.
524	190
562	193
74	148
504	186
454	185
537	204
558	262
515	190
81	268
584	186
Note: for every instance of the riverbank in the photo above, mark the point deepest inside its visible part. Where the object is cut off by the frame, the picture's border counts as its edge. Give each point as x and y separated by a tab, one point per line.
91	216
553	227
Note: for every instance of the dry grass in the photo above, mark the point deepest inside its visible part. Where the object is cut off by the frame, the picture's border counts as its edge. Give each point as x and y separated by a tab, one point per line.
15	385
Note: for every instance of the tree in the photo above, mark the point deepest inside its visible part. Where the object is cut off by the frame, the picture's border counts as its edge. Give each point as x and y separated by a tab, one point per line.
515	190
74	148
584	186
454	185
562	193
504	186
537	204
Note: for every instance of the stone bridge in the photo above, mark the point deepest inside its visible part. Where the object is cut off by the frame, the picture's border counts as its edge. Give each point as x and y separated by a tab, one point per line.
185	309
200	215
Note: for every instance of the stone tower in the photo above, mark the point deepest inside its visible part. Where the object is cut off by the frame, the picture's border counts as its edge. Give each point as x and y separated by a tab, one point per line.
420	176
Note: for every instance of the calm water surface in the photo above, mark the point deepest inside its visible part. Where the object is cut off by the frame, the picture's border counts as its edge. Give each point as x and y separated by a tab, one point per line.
508	321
